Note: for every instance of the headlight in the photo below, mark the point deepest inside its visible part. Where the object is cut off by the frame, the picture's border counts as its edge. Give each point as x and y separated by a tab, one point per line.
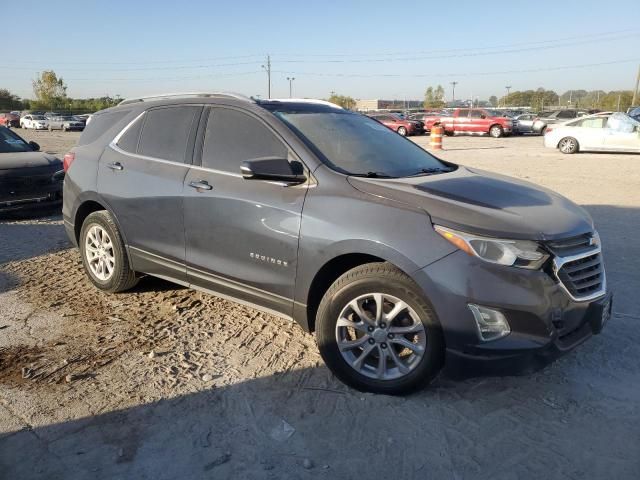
517	253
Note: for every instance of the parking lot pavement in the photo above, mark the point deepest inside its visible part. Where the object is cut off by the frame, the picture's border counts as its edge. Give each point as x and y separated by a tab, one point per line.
167	383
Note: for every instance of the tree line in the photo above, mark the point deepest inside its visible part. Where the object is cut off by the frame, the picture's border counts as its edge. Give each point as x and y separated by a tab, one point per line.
51	95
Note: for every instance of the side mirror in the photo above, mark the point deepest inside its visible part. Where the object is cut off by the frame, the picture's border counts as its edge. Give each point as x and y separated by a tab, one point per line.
35	146
273	169
483	116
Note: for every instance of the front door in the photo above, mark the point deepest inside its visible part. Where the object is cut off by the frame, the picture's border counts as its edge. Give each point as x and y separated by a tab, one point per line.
241	235
622	133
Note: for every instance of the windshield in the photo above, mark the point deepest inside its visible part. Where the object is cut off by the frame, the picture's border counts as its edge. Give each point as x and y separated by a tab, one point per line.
11	143
356	145
37	117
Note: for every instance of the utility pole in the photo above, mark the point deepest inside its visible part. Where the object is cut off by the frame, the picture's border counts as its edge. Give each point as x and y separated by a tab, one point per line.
453	93
508	87
636	90
291	79
618	109
267	68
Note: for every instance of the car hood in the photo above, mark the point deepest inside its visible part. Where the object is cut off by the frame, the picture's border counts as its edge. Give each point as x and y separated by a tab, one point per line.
485	203
13	160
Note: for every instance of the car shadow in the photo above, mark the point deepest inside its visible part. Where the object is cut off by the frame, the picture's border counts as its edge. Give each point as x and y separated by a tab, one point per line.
27	239
302	422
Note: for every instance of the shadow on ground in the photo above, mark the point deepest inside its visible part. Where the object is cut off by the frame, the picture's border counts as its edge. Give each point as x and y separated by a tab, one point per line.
578	418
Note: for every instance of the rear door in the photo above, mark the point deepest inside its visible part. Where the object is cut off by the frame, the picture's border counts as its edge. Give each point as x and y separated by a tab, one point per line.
141	176
242	235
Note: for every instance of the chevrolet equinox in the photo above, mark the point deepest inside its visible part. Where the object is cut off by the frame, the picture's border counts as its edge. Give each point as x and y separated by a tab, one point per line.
398	261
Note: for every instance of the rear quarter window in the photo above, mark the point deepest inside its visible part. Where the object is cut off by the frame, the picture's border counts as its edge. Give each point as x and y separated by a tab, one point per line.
99	124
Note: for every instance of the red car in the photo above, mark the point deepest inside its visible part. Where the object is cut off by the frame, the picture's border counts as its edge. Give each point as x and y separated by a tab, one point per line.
398	124
473	121
9	120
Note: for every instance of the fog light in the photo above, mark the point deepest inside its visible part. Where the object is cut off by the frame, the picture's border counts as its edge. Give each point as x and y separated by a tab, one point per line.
492	324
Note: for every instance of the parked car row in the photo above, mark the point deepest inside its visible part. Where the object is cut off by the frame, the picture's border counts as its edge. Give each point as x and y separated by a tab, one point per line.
50	122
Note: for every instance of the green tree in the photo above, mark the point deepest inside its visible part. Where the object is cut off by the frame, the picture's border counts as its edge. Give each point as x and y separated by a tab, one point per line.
9	101
493	100
50	91
611	99
342	100
434	98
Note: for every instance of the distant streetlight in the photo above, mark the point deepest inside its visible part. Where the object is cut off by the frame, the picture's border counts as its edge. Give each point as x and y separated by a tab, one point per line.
508	87
291	79
453	92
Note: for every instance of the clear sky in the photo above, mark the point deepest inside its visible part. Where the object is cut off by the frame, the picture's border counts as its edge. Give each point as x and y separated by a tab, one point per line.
364	49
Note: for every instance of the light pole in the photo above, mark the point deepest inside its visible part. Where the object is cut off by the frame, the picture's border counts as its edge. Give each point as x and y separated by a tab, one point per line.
267	68
453	93
291	79
508	87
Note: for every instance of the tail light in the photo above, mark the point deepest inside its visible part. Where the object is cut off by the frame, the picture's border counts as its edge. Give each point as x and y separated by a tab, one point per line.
68	160
547	130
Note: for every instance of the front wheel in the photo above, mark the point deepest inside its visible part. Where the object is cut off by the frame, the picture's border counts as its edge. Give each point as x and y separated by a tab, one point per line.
496	131
402	131
104	255
377	332
568	145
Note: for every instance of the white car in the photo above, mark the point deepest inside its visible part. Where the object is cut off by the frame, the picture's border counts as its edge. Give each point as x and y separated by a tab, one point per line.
602	132
37	122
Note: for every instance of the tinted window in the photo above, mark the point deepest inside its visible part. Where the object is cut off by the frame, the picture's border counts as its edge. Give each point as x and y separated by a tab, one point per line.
129	140
355	144
10	142
476	114
166	132
99	124
567	114
463	113
233	137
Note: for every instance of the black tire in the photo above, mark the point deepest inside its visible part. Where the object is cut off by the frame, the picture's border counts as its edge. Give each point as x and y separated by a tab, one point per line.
388	280
496	131
543	131
123	277
568	145
402	131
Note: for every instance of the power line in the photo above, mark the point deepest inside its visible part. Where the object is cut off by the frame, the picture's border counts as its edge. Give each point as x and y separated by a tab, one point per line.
456	74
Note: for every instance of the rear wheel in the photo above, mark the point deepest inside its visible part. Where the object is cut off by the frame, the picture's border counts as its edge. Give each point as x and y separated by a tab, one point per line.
568	145
402	131
496	131
104	255
377	333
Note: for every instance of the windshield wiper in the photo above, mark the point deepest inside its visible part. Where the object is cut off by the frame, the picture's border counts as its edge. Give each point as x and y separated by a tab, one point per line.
429	171
372	175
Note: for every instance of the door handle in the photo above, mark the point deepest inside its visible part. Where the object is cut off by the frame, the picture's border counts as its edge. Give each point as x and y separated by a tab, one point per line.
200	185
115	166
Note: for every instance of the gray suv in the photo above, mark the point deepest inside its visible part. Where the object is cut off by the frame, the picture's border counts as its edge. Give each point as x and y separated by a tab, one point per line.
398	261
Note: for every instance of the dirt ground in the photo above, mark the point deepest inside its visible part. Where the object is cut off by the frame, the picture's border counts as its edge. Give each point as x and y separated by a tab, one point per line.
165	383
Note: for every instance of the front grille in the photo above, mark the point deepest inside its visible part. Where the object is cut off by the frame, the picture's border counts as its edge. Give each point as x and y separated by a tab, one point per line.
583	277
579	267
571	246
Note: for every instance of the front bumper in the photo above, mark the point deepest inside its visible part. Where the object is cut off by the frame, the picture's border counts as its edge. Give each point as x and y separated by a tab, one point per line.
545	322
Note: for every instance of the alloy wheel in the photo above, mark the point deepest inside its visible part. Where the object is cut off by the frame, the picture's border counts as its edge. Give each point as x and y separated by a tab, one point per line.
381	336
99	253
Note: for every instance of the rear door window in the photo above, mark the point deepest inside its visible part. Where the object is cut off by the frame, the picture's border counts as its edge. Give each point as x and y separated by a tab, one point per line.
129	139
232	137
165	133
99	124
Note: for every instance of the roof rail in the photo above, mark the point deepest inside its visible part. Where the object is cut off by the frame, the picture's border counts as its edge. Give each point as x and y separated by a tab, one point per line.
303	100
185	95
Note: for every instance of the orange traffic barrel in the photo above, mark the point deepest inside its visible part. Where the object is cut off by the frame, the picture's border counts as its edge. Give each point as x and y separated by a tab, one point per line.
437	132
